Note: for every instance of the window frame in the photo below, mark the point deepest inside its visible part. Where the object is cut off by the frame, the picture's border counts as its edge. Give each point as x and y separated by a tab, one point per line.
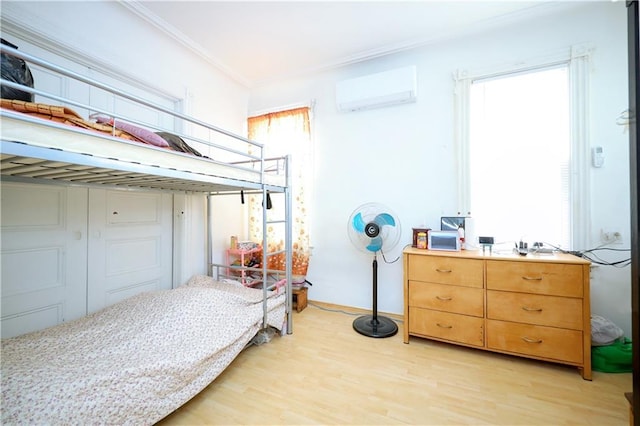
578	60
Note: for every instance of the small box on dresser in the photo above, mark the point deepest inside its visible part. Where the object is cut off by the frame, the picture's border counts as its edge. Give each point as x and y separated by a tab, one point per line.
534	306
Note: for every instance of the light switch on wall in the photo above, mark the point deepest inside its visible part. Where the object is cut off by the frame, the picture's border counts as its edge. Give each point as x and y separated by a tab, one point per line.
597	156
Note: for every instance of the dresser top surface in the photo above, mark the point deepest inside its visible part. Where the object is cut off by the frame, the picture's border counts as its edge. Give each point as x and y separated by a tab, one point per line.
500	255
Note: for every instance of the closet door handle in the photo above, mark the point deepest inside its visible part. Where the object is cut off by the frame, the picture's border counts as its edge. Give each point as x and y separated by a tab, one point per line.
444	298
530	340
528	309
446	271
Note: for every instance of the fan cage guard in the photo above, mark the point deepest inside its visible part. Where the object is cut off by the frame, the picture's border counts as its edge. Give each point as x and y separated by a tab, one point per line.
389	235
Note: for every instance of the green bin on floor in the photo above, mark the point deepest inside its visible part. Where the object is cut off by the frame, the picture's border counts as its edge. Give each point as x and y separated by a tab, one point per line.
613	358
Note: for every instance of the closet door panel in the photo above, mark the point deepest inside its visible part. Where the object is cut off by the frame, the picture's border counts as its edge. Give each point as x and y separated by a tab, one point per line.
43	256
130	244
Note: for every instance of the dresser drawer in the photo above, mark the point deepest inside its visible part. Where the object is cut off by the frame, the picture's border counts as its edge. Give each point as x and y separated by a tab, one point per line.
443	325
446	270
561	312
448	298
558	279
535	340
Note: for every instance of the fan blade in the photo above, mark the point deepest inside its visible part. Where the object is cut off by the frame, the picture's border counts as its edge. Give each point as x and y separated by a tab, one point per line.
358	223
375	244
384	219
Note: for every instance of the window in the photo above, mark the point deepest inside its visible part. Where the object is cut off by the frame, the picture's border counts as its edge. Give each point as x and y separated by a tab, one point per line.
522	145
519	156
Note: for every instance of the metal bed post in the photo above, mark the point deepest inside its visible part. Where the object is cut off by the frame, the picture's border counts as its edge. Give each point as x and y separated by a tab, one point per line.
265	260
209	237
288	243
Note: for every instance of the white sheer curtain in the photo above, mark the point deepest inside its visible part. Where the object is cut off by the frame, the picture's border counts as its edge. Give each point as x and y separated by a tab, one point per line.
285	133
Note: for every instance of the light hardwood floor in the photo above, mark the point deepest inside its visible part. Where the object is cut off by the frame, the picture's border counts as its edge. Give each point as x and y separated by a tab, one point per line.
326	373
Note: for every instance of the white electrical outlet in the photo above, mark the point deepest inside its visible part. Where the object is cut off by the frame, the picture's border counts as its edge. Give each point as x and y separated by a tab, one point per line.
618	237
609	236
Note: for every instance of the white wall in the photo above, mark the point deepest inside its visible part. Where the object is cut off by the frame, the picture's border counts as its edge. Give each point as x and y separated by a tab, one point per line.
108	33
403	156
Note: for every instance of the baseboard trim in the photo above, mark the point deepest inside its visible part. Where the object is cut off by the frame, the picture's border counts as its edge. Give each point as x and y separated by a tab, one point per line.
352	310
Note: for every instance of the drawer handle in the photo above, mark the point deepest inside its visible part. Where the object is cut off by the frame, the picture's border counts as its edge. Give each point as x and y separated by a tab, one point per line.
530	340
532	278
528	309
443	325
444	298
443	270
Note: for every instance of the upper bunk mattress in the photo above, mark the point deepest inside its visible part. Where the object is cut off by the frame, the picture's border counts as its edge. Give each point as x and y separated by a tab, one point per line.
37	148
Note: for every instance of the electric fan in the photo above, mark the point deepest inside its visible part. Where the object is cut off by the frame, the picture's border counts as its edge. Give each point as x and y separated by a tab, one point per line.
372	227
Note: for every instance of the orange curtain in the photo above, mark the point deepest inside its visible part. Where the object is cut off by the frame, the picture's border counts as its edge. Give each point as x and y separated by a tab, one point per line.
285	133
296	120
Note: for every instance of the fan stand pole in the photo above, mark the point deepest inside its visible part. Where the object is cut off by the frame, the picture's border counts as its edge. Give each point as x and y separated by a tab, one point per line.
374	266
374	325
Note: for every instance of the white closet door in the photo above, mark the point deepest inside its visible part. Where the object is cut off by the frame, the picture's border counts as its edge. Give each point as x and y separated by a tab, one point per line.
43	256
130	244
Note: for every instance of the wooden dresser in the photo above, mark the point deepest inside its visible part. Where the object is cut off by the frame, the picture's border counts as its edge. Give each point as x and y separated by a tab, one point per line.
535	306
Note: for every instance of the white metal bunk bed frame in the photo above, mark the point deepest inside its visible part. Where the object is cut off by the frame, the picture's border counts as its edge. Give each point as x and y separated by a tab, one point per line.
21	160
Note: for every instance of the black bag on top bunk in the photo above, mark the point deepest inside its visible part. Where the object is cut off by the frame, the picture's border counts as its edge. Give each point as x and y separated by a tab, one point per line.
177	143
17	71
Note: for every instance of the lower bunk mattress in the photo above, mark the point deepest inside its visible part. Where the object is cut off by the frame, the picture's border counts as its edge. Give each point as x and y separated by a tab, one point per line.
136	361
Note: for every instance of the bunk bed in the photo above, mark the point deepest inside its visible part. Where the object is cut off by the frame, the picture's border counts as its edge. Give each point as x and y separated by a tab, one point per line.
138	360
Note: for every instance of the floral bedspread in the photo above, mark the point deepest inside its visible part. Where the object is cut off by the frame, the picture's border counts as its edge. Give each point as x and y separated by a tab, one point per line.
133	362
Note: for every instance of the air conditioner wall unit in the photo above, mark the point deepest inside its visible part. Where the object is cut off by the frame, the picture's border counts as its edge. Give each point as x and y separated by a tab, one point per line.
377	90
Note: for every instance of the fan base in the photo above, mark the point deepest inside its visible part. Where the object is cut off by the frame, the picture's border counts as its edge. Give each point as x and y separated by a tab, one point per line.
382	327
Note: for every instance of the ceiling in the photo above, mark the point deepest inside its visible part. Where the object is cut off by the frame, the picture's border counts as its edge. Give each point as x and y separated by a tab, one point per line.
255	42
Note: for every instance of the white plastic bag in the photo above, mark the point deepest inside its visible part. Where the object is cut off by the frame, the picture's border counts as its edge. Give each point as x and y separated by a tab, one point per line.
603	331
